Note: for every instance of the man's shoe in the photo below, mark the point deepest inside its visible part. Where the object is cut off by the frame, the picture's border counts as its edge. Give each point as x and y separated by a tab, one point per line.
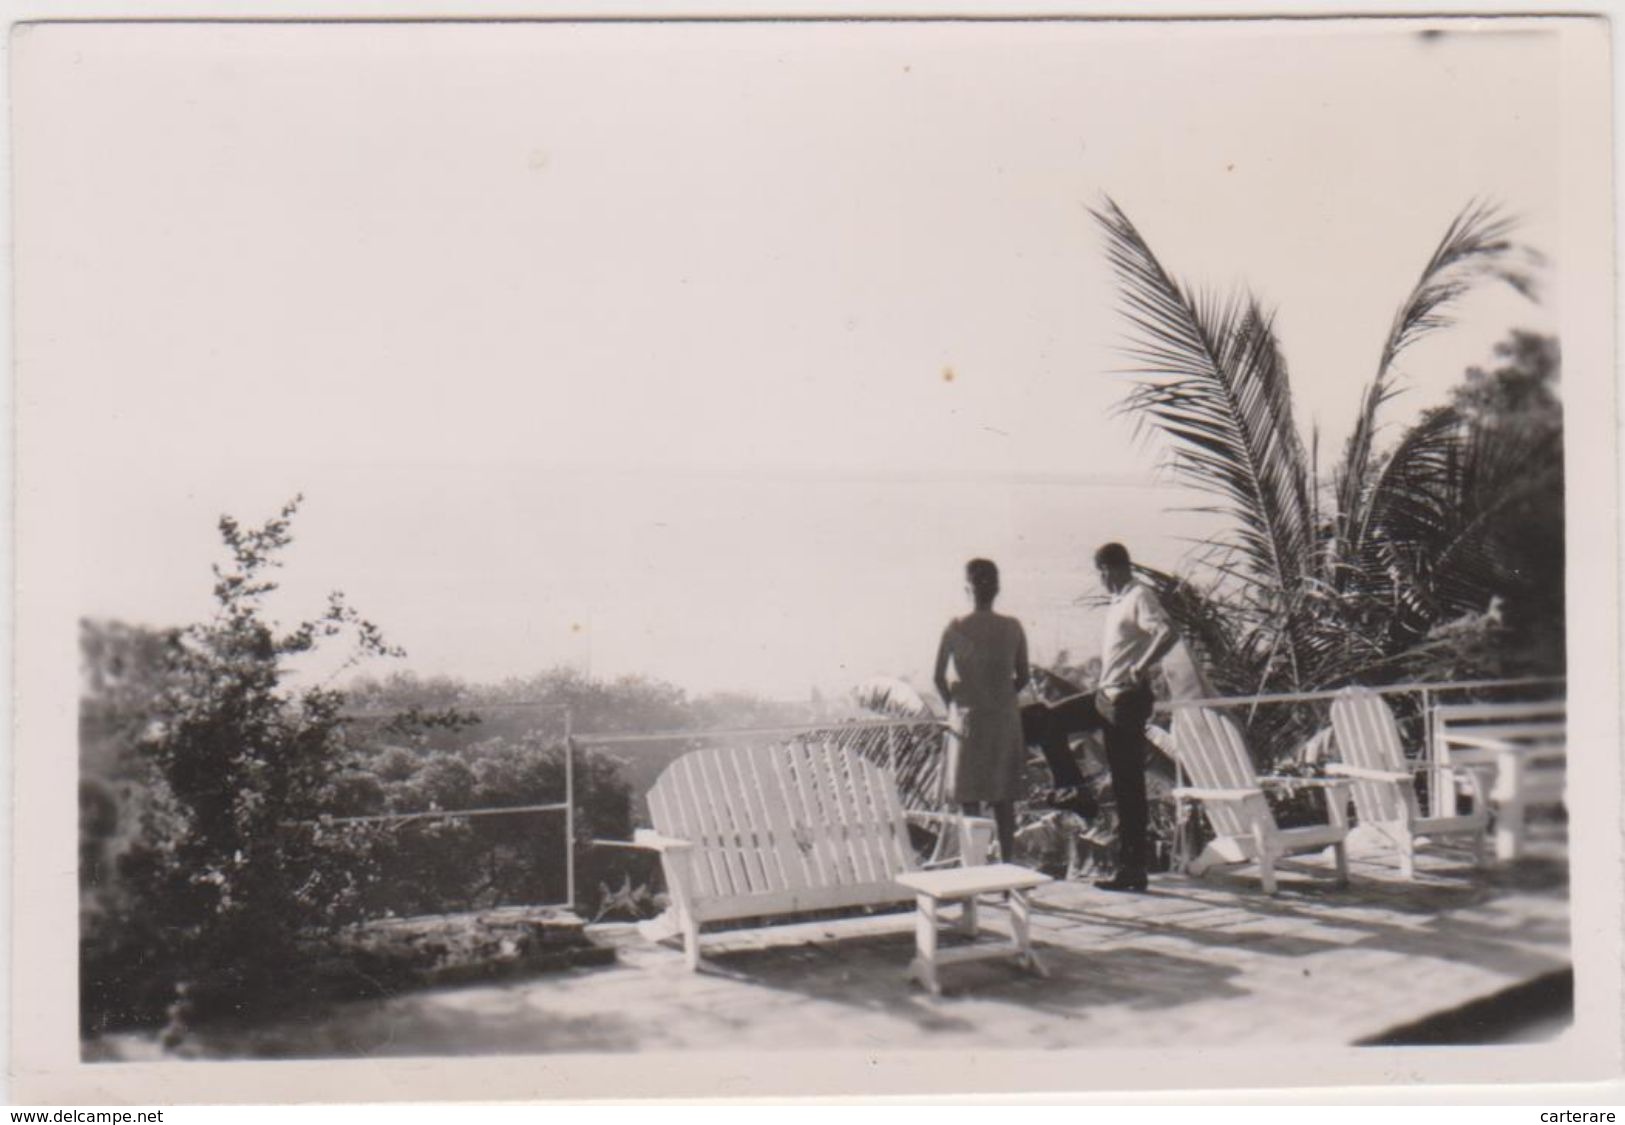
1124	881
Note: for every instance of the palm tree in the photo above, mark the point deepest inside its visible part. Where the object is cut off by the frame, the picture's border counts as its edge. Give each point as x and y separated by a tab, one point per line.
1318	586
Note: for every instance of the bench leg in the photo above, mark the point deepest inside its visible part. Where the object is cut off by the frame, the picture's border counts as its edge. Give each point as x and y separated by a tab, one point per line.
924	967
1508	831
967	916
691	943
1021	930
1266	858
1340	853
1266	872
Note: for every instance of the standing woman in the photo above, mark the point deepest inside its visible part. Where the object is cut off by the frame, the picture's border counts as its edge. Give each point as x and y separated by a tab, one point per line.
986	751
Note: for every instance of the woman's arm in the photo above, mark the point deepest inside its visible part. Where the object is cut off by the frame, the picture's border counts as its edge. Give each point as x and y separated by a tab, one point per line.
1024	671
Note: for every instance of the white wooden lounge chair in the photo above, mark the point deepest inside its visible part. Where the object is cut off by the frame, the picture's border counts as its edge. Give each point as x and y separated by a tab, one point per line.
772	831
1212	754
1520	747
1384	781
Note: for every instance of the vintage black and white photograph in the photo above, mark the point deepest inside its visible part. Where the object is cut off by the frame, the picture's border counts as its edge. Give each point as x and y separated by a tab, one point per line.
956	539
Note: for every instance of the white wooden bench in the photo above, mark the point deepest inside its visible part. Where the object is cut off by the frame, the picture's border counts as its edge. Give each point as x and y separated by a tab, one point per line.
1520	747
772	831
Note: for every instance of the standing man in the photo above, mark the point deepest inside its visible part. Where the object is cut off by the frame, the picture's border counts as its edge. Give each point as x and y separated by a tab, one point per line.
1138	635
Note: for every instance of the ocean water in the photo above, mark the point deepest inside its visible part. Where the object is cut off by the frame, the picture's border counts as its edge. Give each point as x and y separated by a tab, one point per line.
772	583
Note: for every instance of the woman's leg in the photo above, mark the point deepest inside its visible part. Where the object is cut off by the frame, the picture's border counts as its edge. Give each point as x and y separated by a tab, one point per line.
1004	819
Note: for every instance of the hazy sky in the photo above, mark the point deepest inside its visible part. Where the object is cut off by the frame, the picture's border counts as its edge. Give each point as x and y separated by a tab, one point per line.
704	351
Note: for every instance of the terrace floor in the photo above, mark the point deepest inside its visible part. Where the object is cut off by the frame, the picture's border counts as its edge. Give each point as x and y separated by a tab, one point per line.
1193	963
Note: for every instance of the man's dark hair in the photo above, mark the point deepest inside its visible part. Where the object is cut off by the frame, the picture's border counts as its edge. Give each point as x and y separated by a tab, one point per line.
983	576
1112	555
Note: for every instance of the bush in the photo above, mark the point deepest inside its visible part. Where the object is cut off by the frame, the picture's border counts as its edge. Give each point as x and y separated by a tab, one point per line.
224	877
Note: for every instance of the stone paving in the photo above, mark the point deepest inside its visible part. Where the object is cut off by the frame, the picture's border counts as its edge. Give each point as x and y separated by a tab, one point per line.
1194	963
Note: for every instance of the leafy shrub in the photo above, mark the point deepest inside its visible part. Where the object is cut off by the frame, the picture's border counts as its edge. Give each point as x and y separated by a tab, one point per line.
222	880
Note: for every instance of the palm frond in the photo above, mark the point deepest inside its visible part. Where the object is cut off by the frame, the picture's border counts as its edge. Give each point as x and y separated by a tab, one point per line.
1208	627
914	751
893	698
1213	381
1430	546
1476	247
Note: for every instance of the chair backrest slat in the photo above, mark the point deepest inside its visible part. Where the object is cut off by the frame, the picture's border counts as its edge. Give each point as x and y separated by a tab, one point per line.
735	798
1367	736
860	843
716	829
890	808
709	874
853	829
881	826
769	828
808	789
800	816
1213	755
832	825
779	786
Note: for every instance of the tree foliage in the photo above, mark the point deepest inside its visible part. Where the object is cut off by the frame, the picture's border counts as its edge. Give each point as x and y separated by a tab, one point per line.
220	881
232	820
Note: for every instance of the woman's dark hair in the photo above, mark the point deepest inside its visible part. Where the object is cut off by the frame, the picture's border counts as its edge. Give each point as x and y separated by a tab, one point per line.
983	576
1113	555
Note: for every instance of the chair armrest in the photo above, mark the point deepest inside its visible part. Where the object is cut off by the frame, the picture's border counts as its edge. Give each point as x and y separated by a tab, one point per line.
975	833
654	841
1361	773
1217	794
958	818
1277	781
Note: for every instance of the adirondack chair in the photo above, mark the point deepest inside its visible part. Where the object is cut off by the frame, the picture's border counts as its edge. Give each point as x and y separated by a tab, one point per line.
1384	782
1520	747
1212	754
771	831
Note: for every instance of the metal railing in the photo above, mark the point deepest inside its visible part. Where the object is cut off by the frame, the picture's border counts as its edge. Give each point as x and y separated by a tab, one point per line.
570	743
566	806
572	740
1438	772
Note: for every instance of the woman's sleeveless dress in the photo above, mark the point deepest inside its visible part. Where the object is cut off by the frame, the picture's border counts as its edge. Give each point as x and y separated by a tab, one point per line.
986	753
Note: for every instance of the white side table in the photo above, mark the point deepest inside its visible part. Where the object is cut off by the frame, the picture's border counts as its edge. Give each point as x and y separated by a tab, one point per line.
963	884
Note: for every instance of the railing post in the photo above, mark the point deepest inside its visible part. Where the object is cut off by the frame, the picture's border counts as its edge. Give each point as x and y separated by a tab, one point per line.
1430	751
1180	859
569	813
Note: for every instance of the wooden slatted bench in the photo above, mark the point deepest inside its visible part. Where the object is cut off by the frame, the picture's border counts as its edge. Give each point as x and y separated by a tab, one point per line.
1521	746
773	831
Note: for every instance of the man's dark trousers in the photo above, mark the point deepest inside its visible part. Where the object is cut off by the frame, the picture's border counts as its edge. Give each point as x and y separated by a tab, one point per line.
1122	724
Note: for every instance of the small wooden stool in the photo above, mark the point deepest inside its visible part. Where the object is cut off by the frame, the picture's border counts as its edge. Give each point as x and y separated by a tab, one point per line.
963	884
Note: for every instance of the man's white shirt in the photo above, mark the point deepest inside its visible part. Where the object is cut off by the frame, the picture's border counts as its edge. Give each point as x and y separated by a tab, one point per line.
1133	620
